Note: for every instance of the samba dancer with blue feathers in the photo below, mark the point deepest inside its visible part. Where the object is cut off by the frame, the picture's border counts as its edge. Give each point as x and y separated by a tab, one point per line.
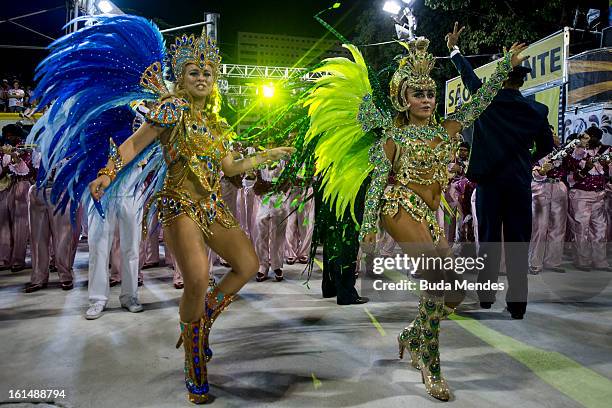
90	78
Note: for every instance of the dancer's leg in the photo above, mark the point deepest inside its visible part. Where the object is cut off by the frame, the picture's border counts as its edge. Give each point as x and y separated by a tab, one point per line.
421	336
233	245
414	239
186	241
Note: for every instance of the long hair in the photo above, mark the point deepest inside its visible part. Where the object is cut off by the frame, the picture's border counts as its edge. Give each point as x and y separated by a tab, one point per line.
212	105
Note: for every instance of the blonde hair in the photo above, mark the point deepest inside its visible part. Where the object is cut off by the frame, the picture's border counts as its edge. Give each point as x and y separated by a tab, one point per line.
212	105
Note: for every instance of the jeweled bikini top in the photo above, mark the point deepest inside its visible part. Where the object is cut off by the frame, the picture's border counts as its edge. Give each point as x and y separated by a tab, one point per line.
195	145
416	161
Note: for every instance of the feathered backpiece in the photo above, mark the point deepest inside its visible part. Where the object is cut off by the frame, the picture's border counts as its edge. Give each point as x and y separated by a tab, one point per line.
90	78
413	72
342	116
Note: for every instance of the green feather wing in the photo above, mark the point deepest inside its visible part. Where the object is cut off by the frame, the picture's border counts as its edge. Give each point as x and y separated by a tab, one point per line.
342	149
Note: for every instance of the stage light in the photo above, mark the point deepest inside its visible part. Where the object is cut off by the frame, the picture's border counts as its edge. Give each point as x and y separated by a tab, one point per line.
268	91
392	7
409	2
105	6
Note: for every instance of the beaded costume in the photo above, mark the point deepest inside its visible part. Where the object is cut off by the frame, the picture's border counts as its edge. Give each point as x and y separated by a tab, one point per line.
193	155
94	78
352	125
417	162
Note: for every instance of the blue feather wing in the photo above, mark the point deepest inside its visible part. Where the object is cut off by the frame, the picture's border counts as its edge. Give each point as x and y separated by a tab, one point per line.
74	176
90	78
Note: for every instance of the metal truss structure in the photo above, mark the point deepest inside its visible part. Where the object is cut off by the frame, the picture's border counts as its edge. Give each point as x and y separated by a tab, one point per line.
229	71
262	72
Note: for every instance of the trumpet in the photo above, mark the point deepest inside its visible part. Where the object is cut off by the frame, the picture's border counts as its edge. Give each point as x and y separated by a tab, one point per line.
562	152
606	157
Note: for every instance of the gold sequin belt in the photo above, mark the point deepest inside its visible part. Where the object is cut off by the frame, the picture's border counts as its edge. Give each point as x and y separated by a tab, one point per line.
204	212
397	195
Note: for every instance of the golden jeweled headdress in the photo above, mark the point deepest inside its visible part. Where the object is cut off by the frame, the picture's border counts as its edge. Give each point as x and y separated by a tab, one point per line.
413	72
193	50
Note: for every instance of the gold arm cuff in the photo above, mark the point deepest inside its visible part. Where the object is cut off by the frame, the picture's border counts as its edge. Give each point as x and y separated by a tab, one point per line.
105	171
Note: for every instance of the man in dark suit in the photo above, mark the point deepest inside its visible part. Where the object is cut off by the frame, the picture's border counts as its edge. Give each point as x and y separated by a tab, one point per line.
501	163
340	239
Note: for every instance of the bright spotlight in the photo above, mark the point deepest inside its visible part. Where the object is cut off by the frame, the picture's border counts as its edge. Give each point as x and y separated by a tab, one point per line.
392	7
409	2
105	6
268	91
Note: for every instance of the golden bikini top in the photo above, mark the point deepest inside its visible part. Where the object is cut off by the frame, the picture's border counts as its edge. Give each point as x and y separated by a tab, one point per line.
415	161
196	144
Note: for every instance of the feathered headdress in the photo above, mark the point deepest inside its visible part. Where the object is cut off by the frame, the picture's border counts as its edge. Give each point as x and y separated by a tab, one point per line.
201	51
413	72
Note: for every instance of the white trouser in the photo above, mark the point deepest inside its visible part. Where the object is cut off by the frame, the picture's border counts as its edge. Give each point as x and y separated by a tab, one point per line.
124	212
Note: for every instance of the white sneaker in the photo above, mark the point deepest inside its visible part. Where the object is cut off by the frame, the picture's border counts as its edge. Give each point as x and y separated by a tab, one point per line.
132	305
95	310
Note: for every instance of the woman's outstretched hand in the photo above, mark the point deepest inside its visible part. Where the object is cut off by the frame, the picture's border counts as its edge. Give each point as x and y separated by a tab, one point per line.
280	153
516	50
96	187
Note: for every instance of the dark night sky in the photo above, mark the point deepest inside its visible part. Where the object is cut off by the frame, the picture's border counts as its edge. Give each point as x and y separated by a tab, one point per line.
274	17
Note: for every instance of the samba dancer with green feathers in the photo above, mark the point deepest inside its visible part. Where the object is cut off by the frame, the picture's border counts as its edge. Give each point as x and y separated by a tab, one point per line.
406	153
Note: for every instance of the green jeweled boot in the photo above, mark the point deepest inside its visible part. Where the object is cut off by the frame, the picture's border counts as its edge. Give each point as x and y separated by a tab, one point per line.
410	338
431	312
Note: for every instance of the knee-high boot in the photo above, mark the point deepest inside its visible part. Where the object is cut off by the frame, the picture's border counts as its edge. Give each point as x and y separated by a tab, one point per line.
196	375
410	338
215	303
431	312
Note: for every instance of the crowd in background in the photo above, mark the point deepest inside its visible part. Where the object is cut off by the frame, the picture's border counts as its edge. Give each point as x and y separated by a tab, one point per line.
15	97
571	203
117	255
571	194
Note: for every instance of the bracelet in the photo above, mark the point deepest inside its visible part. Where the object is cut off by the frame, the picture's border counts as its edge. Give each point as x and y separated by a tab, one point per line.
267	160
105	171
115	156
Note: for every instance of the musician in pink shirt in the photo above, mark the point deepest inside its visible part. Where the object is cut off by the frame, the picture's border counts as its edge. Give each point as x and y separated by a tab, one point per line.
549	206
270	224
300	223
14	228
52	233
588	170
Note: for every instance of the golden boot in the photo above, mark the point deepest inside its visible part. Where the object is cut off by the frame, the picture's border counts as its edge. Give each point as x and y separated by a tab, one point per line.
214	303
196	374
410	338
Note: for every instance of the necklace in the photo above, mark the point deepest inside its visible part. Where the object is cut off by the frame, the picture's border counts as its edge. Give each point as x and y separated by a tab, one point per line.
427	132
